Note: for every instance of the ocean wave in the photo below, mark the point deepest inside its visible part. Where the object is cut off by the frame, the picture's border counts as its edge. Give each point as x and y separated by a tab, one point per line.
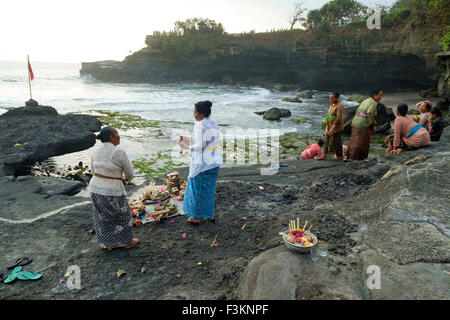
89	79
120	103
12	80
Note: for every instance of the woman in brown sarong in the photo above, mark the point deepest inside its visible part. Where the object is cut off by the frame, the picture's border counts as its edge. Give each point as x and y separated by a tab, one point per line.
363	125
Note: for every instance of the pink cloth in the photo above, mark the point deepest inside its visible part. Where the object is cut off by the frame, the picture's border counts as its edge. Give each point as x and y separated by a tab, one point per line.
311	151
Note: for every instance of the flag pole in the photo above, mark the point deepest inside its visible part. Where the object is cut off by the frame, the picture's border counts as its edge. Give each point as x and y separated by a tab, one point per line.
29	76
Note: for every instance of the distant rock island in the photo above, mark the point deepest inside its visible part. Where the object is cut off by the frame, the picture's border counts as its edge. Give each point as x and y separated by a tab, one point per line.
353	59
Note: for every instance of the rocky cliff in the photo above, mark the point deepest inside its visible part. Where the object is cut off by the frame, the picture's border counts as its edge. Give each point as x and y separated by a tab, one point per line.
349	59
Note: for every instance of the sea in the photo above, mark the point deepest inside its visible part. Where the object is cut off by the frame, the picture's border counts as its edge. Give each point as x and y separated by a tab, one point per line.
60	85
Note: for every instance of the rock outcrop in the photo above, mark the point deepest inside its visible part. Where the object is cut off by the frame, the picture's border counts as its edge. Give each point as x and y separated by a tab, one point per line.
444	79
383	118
345	60
35	133
403	233
276	114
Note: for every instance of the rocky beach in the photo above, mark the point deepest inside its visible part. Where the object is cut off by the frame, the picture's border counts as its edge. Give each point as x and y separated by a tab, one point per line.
380	228
391	211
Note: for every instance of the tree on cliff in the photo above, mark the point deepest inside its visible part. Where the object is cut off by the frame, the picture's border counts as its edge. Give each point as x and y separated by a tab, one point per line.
314	19
197	37
198	25
299	14
346	11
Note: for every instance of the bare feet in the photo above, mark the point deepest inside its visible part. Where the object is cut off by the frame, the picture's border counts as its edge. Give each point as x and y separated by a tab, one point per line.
193	221
389	148
324	157
132	244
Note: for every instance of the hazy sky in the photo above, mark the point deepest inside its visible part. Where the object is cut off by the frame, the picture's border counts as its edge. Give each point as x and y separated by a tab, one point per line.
81	30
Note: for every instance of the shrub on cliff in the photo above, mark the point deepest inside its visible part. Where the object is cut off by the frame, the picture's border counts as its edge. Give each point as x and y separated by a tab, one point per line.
445	41
433	13
192	38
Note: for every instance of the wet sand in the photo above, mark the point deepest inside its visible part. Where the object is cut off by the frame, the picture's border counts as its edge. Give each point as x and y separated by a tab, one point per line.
392	99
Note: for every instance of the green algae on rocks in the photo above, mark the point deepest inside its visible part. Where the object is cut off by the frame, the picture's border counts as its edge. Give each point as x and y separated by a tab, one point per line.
299	120
292	144
356	98
123	120
155	166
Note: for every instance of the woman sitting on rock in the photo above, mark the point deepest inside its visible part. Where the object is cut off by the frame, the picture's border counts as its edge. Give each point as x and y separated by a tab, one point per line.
206	159
436	124
424	117
113	222
408	135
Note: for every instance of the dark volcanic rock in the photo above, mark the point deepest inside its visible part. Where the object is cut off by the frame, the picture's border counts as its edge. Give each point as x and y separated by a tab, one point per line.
285	113
444	104
383	118
276	114
31	103
31	134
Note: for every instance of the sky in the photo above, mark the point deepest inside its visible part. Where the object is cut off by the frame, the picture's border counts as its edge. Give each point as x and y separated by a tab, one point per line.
92	30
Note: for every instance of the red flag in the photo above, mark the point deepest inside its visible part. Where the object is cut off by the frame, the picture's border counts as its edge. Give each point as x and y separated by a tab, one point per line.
30	70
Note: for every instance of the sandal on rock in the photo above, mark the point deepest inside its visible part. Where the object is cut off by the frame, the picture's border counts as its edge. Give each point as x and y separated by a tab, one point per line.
17	273
20	262
194	223
133	243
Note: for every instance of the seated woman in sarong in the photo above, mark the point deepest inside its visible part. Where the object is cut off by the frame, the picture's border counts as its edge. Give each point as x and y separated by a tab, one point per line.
113	222
424	117
363	126
408	135
436	124
206	159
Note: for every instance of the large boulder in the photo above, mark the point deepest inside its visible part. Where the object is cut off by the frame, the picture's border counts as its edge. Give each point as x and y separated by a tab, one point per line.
278	274
276	114
35	133
383	118
431	92
444	104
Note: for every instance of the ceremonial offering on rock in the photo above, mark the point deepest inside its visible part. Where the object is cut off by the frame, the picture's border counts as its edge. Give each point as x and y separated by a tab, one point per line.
154	194
299	239
155	204
176	185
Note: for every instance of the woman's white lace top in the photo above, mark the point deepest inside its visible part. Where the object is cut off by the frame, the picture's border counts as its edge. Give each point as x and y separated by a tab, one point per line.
110	161
205	147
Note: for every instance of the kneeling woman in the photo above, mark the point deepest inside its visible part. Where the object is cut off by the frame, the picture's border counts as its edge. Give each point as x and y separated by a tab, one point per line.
113	222
206	159
408	135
